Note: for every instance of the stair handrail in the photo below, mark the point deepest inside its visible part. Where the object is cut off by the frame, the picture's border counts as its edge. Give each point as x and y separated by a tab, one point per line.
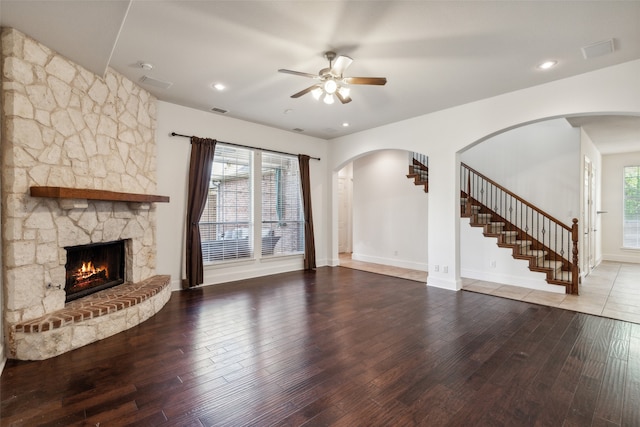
572	230
512	194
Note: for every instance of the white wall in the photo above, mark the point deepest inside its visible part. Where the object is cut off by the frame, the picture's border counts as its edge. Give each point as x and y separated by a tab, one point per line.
389	212
539	162
612	203
173	164
441	135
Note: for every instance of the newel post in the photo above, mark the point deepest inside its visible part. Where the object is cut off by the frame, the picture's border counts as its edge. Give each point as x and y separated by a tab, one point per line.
467	207
575	270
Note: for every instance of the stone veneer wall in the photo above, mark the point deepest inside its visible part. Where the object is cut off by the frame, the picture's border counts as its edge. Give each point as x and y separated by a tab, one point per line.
64	126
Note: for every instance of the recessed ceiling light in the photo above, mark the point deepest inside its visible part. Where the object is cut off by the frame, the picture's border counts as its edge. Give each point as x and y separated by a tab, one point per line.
145	65
218	86
547	64
288	111
345	125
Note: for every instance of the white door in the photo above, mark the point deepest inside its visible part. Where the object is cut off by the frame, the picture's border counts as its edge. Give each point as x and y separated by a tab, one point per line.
588	242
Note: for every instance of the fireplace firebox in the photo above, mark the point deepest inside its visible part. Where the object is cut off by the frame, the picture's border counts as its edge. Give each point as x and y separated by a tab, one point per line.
92	268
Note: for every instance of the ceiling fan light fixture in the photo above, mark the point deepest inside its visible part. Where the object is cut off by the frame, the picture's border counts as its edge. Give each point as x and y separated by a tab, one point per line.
344	91
331	82
317	93
330	86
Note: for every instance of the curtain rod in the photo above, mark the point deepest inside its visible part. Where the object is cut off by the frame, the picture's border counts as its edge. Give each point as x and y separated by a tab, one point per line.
247	146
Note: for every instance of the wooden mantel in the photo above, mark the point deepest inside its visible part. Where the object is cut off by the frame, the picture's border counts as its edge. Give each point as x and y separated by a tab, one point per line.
89	194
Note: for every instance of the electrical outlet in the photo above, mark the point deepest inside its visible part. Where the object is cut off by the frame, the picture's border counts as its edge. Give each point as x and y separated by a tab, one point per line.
436	268
445	269
395	253
492	264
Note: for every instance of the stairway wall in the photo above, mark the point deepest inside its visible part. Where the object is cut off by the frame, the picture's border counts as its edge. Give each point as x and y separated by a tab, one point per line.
479	254
540	162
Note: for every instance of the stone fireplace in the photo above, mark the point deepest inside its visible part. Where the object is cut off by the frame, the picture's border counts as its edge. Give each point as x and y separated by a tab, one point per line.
78	170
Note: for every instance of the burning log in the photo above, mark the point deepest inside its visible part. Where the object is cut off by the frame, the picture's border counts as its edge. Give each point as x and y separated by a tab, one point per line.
88	275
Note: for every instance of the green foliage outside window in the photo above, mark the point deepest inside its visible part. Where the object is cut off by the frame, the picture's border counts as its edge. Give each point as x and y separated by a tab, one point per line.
631	219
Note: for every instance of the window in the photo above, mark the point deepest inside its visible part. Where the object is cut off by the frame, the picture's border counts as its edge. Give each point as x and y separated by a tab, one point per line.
282	211
631	215
226	226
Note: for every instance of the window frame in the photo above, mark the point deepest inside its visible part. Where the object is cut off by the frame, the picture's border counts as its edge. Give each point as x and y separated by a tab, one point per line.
635	235
232	239
279	241
266	236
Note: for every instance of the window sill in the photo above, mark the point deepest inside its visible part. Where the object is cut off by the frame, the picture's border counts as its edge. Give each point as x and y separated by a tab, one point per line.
630	249
248	261
229	263
273	258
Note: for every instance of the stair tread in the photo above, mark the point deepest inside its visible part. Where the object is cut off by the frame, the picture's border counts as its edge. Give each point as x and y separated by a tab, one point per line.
547	263
535	252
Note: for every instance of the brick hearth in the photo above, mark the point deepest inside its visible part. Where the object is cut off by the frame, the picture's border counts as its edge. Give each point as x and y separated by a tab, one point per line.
89	319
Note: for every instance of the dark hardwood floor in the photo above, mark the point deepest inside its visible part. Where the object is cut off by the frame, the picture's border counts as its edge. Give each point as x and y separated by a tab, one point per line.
339	347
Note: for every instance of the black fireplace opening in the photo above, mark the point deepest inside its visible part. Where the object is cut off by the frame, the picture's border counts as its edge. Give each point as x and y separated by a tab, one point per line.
92	268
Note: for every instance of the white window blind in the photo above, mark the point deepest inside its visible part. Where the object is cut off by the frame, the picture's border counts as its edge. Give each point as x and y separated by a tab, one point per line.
631	209
282	211
226	223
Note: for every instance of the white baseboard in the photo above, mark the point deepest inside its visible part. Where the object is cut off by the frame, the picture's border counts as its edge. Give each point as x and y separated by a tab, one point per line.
394	262
443	283
507	279
176	284
634	259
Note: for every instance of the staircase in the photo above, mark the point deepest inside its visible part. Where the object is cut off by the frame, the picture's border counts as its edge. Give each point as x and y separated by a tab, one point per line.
419	170
550	246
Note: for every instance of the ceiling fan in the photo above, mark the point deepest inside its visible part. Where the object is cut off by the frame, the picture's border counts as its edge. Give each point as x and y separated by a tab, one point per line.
331	80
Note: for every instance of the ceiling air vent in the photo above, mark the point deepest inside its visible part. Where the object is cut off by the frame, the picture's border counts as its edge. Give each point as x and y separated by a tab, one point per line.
155	82
219	110
298	130
604	47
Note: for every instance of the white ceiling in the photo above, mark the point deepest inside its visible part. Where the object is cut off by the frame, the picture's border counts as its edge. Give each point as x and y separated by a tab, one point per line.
435	54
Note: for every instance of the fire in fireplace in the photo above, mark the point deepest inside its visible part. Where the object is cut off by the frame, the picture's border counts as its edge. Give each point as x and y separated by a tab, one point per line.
92	268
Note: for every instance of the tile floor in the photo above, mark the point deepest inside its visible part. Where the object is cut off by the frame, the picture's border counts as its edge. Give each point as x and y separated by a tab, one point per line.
417	275
611	290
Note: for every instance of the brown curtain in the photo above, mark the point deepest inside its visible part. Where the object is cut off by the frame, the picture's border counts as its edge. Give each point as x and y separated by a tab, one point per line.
309	242
202	151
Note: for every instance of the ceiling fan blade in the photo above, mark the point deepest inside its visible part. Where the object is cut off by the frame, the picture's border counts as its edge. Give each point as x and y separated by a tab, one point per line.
381	81
304	91
298	73
343	99
340	65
